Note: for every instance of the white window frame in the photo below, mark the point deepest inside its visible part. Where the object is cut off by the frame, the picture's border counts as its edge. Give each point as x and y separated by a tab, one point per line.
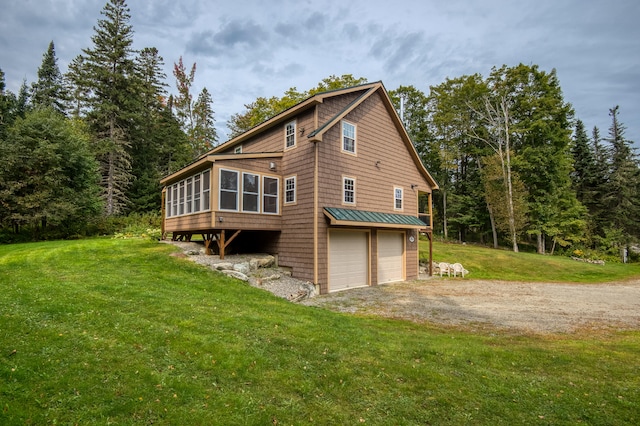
266	195
345	127
181	197
252	194
174	211
195	198
348	191
290	136
290	189
238	149
167	200
197	193
205	202
398	190
188	209
236	191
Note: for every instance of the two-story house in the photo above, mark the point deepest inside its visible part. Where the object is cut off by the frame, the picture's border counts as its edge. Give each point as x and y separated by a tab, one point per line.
331	186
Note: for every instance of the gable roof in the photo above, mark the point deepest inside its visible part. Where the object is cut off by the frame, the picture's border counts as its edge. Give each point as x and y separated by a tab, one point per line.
316	135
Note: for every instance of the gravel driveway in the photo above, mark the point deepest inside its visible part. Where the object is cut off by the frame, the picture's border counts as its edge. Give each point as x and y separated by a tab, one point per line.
519	307
515	306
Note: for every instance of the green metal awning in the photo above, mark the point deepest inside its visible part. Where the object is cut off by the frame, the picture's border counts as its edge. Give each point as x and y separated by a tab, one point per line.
349	217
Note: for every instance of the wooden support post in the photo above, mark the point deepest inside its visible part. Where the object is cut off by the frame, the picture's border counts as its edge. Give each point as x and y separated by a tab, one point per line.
208	239
222	244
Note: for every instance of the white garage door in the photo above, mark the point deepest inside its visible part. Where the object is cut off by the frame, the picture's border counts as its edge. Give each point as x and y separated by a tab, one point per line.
390	257
348	260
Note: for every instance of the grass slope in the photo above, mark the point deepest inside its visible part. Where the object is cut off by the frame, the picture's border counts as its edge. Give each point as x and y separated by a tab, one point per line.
117	332
486	263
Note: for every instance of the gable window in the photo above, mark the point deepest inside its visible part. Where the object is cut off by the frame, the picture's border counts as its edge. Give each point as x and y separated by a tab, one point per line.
238	150
250	193
348	190
228	190
270	195
290	135
397	198
290	190
348	137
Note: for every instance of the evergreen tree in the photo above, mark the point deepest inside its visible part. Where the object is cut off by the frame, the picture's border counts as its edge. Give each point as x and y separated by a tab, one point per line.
47	174
107	87
204	136
624	181
49	90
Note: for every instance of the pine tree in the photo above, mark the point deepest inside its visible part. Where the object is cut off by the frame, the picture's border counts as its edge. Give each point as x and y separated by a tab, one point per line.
584	175
204	136
624	181
49	90
106	85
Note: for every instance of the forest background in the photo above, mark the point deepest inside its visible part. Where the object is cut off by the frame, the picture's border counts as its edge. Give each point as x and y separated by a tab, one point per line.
82	152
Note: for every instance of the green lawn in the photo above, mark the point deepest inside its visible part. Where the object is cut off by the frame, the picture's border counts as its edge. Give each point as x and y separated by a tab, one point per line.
117	332
486	263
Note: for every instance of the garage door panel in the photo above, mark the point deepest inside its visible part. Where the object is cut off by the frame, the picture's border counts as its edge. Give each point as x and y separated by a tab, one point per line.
348	260
390	257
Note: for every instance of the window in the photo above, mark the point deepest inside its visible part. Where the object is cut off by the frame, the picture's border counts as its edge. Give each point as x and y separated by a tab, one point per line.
167	200
228	190
196	193
190	195
348	137
290	135
181	199
174	208
290	190
189	206
238	150
206	192
250	193
397	197
270	195
348	190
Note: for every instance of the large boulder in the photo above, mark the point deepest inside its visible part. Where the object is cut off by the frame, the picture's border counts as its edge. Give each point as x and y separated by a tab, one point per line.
224	266
236	274
243	268
265	261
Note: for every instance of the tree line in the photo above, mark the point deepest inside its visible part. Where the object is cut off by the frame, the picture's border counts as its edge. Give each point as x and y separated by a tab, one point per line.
94	142
514	165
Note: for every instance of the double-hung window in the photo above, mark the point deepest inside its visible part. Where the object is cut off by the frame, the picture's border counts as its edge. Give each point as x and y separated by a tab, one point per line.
290	135
397	198
167	207
174	207
250	193
228	190
196	193
290	190
270	195
348	190
348	137
206	190
181	199
189	205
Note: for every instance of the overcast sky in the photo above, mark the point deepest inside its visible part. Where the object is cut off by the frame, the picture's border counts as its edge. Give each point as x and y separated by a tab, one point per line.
250	48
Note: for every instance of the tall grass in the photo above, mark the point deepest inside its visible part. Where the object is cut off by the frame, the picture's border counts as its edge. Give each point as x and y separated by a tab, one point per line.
111	331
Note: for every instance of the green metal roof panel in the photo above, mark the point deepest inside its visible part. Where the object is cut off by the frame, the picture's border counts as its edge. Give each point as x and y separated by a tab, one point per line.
364	216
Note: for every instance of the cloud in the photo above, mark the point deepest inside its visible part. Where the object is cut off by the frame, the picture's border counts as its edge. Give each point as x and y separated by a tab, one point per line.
233	38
